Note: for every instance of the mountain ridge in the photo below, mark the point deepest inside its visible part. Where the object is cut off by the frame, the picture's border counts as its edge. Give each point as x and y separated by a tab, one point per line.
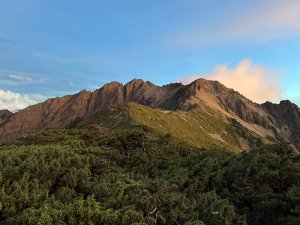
269	121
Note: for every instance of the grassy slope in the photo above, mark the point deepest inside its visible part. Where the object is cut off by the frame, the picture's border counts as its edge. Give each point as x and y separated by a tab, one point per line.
198	127
193	127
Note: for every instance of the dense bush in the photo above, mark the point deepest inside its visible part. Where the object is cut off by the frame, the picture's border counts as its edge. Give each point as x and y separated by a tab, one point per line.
130	176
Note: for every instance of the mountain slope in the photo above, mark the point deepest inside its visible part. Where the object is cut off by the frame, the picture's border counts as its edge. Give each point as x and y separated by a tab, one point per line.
177	106
196	127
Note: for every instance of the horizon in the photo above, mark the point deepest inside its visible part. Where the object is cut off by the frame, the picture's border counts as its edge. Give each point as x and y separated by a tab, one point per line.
53	48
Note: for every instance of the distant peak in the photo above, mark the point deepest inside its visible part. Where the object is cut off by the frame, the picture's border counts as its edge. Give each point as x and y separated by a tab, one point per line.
135	81
205	81
201	79
112	84
140	82
4	111
285	102
288	104
211	85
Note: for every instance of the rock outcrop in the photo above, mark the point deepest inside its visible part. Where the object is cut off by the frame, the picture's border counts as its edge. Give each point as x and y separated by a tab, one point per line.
286	117
5	115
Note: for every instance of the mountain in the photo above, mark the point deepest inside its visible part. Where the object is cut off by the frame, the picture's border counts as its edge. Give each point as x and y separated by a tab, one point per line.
202	113
5	115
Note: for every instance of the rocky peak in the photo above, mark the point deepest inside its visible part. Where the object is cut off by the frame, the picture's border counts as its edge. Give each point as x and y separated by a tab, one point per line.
5	112
173	85
5	115
209	86
135	82
112	86
139	91
284	107
139	83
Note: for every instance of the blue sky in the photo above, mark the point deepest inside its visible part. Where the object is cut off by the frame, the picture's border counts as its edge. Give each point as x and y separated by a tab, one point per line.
51	48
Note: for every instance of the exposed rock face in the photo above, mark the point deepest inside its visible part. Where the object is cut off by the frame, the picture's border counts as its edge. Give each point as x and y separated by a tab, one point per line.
286	116
5	115
269	121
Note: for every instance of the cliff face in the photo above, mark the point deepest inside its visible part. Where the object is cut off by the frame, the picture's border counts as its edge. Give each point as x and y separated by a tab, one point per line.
5	115
286	117
268	121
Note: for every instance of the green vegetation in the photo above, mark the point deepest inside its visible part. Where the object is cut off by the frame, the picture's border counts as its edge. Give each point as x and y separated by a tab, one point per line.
196	127
136	175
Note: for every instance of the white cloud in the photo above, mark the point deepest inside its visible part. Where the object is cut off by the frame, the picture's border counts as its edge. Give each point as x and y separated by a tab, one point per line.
14	101
253	81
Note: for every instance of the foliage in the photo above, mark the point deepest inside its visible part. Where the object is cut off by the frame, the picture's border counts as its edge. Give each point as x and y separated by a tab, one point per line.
134	176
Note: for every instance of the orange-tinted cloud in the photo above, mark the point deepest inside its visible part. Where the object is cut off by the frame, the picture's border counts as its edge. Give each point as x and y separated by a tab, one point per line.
253	81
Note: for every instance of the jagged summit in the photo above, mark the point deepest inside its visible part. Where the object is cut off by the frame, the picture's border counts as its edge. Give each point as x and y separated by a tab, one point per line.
4	111
133	82
267	121
139	82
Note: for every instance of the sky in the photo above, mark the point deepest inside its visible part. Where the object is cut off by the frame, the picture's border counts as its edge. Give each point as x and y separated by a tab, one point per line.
51	48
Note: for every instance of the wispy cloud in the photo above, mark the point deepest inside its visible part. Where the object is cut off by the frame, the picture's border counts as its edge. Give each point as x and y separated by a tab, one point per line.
20	78
270	21
264	22
253	81
15	101
13	79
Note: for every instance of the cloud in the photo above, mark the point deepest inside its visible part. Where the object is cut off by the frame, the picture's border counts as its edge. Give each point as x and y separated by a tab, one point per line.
20	77
269	21
261	23
13	79
253	81
15	101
